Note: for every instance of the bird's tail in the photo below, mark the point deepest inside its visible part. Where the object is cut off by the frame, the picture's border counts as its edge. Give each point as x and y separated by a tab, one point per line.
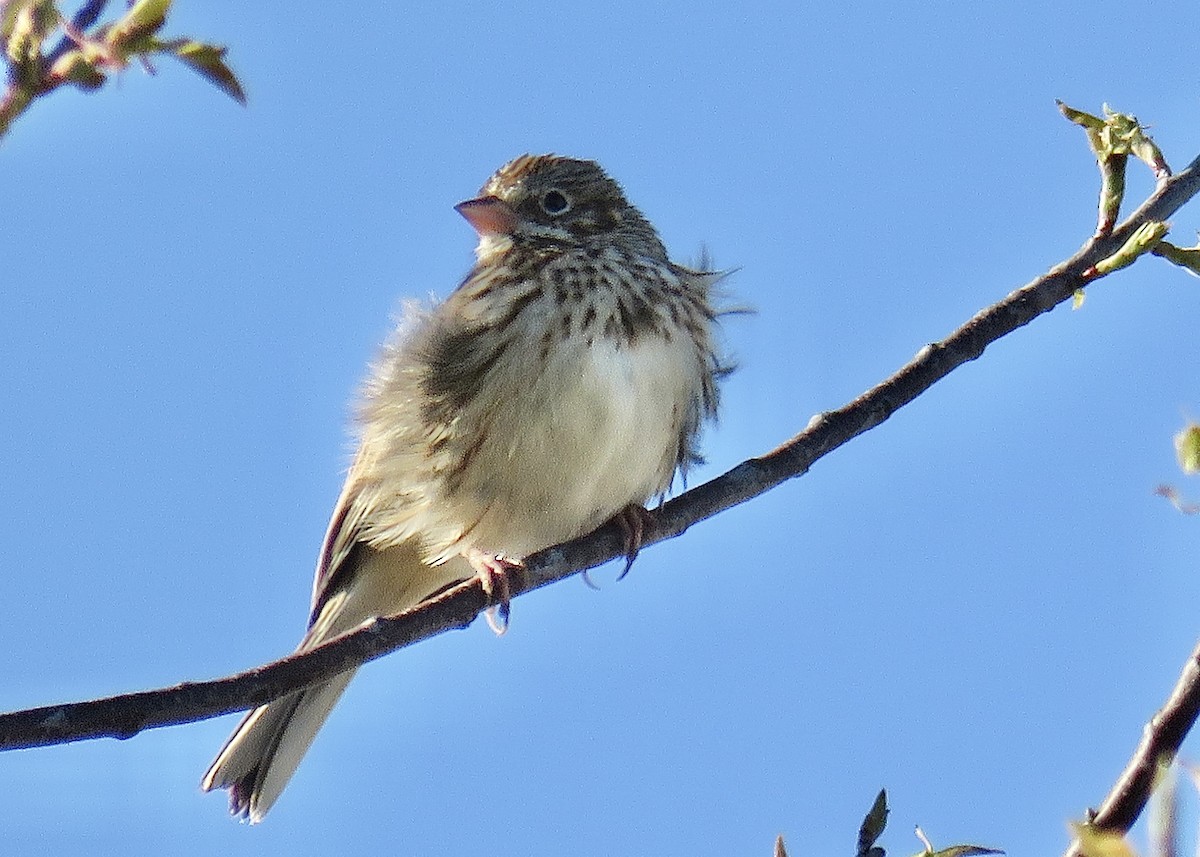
262	753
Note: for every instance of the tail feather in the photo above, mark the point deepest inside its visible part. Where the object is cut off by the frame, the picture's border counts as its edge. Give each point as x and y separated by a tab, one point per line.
262	754
260	757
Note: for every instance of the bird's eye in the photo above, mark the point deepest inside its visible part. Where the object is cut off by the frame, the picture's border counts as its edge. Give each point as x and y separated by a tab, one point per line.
555	202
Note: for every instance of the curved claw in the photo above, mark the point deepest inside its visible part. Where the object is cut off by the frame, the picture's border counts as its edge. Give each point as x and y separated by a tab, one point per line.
632	520
492	571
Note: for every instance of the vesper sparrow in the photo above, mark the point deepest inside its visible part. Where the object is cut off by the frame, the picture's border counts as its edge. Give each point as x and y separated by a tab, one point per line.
561	385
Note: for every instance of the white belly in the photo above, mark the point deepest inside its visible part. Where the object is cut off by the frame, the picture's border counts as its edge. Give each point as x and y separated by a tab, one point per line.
598	431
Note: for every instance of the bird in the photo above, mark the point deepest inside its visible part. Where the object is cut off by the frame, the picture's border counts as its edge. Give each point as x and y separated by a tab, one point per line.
562	385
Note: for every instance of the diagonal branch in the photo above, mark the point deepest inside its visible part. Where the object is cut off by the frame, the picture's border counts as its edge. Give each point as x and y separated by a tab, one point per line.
126	715
1160	743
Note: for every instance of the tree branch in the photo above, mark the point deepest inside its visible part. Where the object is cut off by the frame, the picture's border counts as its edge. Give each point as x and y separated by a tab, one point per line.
87	60
80	21
126	715
1160	743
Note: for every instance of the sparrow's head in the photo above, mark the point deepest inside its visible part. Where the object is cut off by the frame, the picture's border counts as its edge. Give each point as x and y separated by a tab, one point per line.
547	199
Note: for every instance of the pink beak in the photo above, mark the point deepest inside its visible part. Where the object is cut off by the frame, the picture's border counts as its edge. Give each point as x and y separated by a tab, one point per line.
490	215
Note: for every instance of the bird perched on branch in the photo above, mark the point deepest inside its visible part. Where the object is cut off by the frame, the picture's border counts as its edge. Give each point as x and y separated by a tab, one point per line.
560	386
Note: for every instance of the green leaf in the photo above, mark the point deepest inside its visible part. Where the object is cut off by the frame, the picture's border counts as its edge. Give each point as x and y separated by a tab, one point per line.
1187	258
873	824
1118	134
1094	842
75	67
963	851
1124	135
1143	240
24	26
1079	117
1112	140
1163	823
9	11
144	19
209	62
953	850
1187	449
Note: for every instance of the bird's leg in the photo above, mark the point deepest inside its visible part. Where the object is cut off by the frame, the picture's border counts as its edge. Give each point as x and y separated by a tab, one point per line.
492	571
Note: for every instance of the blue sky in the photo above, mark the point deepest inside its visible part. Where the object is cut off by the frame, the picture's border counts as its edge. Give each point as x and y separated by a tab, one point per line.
976	605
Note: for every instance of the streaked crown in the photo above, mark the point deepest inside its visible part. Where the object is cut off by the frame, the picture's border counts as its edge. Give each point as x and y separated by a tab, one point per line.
573	201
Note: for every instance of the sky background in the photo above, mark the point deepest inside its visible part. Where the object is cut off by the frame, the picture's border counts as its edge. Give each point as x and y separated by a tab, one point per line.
976	605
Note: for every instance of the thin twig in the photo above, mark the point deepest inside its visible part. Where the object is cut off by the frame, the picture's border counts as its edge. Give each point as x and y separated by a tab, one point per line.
1161	739
126	715
27	83
80	21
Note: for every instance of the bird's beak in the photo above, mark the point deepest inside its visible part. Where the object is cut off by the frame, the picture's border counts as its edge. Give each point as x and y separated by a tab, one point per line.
490	215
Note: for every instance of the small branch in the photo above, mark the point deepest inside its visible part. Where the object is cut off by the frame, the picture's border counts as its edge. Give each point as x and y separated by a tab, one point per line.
125	716
26	84
80	21
87	60
1160	743
13	102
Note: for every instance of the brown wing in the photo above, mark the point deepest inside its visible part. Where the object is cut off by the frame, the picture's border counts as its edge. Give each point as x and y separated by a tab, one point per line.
341	542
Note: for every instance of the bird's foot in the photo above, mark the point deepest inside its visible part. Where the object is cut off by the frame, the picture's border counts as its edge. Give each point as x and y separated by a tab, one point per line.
632	521
492	571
